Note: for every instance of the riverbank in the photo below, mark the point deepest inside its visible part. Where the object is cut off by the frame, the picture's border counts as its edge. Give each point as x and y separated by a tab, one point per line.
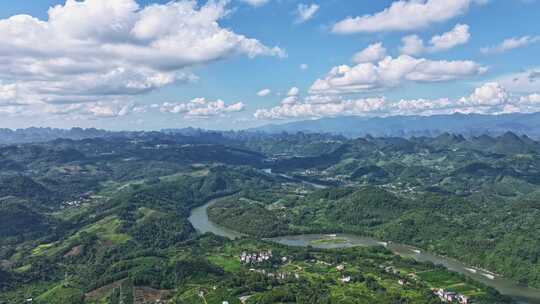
523	295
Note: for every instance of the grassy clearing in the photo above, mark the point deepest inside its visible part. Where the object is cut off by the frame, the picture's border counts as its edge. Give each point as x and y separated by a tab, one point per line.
69	214
105	230
61	295
41	249
449	281
23	269
226	262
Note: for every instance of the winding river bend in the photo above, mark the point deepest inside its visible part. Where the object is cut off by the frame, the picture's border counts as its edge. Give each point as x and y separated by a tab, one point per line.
199	219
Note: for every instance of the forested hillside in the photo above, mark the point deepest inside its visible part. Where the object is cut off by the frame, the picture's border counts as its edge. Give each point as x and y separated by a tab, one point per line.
106	220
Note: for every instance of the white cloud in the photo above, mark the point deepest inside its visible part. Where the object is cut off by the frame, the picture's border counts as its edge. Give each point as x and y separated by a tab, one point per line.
294	91
106	50
522	82
289	100
372	53
457	36
317	110
490	98
304	66
414	45
255	2
489	94
533	99
526	104
201	108
304	12
110	109
264	92
292	96
392	72
8	94
404	16
510	44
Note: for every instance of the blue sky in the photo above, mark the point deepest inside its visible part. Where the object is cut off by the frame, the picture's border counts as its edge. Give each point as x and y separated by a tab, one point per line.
212	82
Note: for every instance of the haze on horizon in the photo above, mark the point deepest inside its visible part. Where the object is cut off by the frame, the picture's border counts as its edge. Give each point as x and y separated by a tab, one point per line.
128	64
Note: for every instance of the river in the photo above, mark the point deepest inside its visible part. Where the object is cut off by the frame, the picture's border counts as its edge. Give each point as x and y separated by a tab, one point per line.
199	219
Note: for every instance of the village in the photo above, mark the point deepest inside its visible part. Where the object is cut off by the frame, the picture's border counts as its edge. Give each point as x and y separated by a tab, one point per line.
450	297
256	258
264	256
444	296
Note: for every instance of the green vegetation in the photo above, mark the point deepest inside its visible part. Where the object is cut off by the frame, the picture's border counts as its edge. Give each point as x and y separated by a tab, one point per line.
249	217
105	220
61	295
18	221
476	200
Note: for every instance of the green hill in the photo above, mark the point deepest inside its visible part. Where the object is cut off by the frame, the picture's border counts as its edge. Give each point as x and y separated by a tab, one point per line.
17	219
24	187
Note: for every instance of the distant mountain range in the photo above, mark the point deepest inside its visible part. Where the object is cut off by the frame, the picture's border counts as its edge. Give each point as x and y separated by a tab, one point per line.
409	126
396	126
9	136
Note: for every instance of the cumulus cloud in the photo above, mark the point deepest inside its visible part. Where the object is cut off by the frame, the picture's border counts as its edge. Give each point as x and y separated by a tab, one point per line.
510	44
489	94
304	12
317	110
292	96
414	45
304	66
457	36
372	53
264	92
490	98
105	50
533	99
109	109
294	91
392	72
404	16
202	108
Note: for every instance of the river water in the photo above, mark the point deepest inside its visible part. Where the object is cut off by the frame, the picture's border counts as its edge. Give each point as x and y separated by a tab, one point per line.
199	219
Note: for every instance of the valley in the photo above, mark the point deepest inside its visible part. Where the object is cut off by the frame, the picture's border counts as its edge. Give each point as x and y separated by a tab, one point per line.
120	220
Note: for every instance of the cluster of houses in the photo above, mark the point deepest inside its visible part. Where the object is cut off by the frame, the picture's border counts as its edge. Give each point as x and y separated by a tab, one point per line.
338	178
255	258
262	257
344	279
83	198
310	172
75	203
450	297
